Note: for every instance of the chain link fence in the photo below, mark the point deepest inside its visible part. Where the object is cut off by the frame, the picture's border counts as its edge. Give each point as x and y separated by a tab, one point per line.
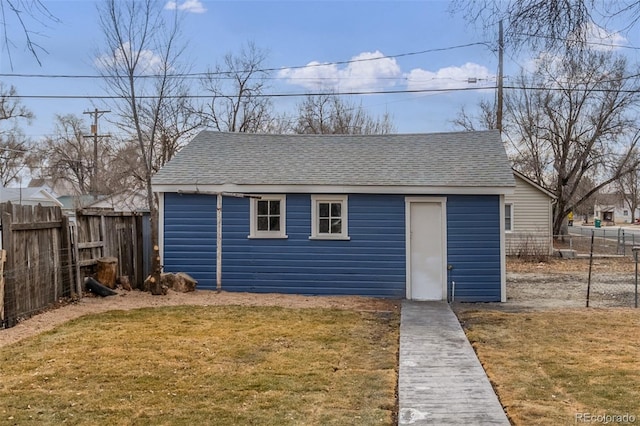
606	242
611	288
598	269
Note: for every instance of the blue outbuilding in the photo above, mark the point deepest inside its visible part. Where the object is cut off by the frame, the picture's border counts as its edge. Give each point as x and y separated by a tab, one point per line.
416	216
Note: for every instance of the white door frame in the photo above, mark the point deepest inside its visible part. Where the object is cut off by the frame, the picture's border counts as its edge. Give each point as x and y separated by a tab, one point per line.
443	204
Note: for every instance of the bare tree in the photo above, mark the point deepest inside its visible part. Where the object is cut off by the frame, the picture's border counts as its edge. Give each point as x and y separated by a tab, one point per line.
545	24
141	52
330	114
13	144
484	120
629	186
177	123
570	120
13	157
11	107
26	15
237	89
67	156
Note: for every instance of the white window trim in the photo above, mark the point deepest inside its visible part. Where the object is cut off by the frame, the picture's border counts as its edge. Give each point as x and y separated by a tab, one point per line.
315	199
253	216
511	217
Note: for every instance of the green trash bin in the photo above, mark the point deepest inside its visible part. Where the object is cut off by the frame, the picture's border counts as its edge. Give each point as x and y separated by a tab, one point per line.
597	223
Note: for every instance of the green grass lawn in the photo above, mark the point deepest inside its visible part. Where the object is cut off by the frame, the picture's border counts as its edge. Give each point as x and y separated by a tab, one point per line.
557	367
206	365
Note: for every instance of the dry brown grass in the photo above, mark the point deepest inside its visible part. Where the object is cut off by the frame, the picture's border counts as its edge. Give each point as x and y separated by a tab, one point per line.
547	367
206	365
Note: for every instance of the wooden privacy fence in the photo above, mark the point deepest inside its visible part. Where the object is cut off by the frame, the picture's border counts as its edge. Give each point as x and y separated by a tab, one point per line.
47	257
112	234
39	258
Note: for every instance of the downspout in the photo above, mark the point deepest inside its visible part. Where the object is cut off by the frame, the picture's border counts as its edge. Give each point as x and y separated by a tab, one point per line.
219	196
219	242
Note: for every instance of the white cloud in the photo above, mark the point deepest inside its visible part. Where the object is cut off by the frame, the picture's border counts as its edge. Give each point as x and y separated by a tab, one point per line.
193	6
148	62
366	71
448	78
601	39
373	71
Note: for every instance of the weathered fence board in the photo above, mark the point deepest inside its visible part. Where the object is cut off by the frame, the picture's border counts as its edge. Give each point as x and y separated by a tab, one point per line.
47	257
3	259
38	260
112	234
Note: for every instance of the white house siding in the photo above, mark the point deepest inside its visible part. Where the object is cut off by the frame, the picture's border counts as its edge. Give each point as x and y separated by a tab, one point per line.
531	216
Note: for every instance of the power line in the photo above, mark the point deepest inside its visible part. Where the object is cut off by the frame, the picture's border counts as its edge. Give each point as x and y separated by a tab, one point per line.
341	93
213	73
264	95
592	43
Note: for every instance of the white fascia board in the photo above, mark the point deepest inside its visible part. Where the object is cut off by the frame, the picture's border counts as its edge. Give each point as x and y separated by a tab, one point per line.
334	189
50	197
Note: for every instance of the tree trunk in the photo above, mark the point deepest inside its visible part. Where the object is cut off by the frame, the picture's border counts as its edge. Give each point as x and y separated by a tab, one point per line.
156	268
106	271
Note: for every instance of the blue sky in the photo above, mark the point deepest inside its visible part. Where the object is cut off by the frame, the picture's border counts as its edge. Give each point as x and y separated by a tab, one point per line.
295	33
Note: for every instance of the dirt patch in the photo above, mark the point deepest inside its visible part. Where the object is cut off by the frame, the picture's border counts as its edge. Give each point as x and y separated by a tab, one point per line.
557	265
127	300
562	284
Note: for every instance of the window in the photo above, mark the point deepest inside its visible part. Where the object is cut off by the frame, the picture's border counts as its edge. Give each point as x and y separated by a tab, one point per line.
508	217
625	212
268	217
329	217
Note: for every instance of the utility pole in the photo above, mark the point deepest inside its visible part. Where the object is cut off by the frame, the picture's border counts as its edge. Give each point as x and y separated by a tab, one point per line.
500	77
94	134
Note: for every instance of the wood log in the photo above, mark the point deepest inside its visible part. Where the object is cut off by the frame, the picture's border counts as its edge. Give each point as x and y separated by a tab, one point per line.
107	268
125	282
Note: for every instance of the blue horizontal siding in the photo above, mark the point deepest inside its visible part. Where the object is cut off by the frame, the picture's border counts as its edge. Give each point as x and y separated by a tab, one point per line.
371	263
473	245
190	236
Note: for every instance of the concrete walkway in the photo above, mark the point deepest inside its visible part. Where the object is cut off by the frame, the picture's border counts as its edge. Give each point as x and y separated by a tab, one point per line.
441	381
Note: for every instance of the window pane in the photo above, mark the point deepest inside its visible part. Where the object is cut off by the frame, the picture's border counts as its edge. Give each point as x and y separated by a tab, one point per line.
263	223
336	226
323	210
263	207
324	226
336	210
274	223
274	207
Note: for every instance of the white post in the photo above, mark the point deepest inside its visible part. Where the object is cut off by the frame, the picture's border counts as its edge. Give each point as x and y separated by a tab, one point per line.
219	242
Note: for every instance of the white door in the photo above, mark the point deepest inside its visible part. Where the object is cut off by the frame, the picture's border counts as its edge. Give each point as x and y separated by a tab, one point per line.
427	251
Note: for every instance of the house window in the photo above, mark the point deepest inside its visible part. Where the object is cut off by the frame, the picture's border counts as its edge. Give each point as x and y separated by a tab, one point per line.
329	217
508	217
268	217
625	212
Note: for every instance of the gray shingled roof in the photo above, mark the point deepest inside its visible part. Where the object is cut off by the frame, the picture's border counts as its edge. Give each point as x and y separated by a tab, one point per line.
460	159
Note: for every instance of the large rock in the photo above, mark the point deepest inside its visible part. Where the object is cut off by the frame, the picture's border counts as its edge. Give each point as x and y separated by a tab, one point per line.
180	282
